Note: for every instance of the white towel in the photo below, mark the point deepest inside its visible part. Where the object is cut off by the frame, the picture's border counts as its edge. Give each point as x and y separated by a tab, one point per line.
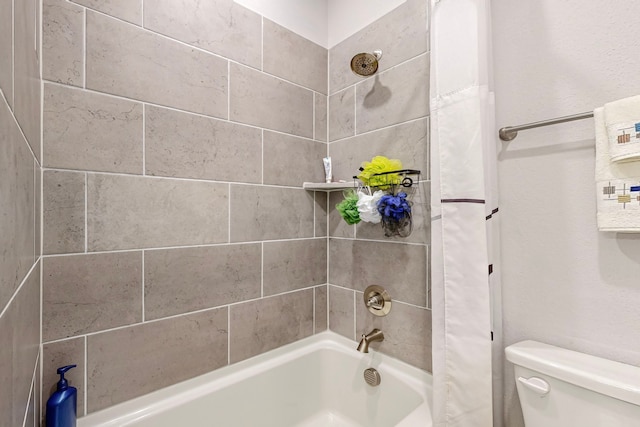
617	186
622	119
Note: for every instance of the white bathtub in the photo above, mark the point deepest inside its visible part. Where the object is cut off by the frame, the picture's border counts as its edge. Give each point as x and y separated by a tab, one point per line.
315	382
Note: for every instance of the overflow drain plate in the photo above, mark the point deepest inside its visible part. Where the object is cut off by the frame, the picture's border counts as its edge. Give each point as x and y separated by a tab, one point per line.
372	377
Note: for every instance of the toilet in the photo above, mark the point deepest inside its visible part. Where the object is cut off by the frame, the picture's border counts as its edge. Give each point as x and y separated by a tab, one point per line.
564	388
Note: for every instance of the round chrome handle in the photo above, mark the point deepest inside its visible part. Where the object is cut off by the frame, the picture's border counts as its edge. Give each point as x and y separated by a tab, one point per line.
377	300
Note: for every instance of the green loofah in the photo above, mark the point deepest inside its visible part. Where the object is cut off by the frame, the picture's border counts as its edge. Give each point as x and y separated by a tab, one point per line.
380	164
348	208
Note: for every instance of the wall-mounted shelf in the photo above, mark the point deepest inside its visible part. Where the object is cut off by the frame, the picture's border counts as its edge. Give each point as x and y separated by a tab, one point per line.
327	186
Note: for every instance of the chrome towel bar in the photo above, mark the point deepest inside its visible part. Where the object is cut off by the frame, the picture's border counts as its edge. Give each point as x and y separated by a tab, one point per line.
509	133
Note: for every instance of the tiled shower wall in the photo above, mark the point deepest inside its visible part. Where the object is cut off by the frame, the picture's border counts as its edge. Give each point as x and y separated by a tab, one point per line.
177	238
386	114
19	206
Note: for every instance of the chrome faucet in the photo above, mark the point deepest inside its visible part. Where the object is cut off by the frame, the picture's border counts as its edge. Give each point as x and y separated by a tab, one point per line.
375	335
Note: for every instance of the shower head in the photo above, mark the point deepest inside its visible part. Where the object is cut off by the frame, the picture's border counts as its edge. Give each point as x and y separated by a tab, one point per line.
366	64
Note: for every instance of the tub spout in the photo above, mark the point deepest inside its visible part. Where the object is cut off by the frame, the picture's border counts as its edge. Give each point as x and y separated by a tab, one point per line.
375	335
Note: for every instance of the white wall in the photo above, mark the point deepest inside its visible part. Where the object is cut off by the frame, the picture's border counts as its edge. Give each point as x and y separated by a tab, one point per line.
346	18
307	18
324	22
564	283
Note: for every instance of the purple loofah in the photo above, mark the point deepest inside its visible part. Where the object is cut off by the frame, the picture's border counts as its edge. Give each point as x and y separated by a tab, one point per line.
393	207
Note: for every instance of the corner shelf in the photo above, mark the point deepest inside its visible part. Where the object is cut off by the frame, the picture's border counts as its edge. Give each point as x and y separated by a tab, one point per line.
393	181
326	186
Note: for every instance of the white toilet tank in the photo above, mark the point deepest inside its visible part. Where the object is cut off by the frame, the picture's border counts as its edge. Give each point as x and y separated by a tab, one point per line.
564	388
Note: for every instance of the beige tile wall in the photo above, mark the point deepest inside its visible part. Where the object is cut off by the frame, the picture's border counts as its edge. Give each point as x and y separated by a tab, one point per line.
385	114
237	33
6	51
400	34
175	144
175	226
91	131
262	325
127	10
20	172
20	338
62	52
26	71
125	363
126	60
63	212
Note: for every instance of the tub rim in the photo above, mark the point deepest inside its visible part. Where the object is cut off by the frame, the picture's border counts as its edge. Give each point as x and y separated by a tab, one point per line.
177	394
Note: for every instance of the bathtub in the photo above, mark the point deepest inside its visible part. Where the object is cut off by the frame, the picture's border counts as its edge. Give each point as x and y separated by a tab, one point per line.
314	382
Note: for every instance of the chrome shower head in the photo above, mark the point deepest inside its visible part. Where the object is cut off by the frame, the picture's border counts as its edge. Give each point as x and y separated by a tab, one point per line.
366	64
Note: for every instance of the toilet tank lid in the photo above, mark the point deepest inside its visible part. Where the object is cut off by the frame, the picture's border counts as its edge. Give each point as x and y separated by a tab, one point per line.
607	377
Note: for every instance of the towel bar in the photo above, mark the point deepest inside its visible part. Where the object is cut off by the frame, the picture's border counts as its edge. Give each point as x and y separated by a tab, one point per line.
509	133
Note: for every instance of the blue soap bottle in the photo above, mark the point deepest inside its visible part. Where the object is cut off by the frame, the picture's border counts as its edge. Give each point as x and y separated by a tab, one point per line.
62	405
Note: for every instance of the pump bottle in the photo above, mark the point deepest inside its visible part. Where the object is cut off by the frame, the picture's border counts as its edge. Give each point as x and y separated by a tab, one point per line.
62	405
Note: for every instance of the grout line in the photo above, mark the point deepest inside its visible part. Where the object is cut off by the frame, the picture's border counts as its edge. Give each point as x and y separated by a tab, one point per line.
196	48
131	175
65	339
228	335
35	31
142	281
229	90
32	386
313	117
36	380
162	248
328	82
229	214
41	84
427	301
86	370
314	311
381	241
355	110
35	204
382	128
328	311
328	252
39	27
373	76
262	161
13	57
84	47
355	308
41	346
262	270
167	107
86	212
17	291
142	13
326	139
326	286
189	313
144	140
15	120
315	202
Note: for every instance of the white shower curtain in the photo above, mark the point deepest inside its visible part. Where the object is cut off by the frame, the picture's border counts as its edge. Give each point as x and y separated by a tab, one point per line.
464	208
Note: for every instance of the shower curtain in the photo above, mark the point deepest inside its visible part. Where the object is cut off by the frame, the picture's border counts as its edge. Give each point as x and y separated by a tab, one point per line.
464	210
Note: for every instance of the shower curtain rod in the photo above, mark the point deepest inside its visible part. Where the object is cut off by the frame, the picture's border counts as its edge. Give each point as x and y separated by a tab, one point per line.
509	133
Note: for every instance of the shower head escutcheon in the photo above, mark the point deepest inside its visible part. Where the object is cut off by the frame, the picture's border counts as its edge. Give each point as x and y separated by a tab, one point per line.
366	64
